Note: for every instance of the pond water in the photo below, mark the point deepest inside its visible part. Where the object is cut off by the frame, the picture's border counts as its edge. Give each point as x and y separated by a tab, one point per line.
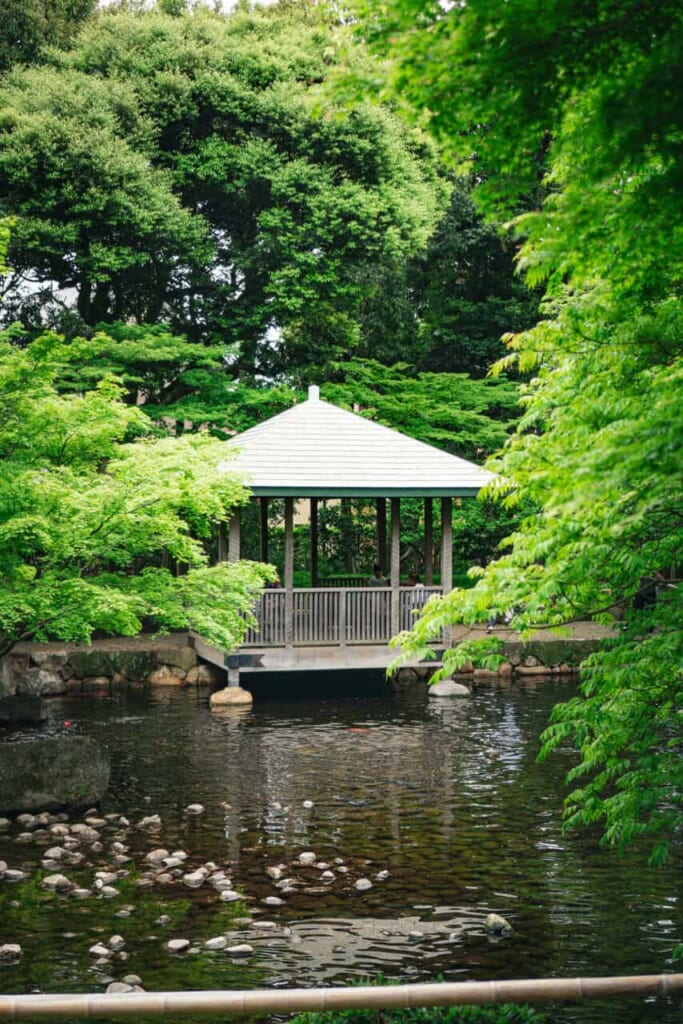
445	795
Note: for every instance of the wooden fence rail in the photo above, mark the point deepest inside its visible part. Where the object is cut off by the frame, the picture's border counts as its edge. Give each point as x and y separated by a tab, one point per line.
284	1001
334	615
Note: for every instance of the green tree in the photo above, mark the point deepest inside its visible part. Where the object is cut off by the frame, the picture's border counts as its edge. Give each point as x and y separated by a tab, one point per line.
95	513
175	168
585	94
28	26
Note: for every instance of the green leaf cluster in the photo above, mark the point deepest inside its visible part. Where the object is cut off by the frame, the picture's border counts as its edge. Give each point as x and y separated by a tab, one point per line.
572	109
103	524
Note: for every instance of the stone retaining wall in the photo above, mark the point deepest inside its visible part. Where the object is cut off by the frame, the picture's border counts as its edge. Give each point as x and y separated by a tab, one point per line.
45	670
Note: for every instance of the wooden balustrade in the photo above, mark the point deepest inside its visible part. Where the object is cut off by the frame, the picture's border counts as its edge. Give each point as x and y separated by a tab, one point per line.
334	616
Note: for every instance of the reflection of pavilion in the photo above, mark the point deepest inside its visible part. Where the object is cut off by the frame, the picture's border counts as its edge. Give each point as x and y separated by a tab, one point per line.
315	451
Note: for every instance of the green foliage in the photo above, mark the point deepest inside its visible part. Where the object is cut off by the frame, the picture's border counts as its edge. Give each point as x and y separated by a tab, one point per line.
582	94
469	418
28	26
174	167
94	513
503	1014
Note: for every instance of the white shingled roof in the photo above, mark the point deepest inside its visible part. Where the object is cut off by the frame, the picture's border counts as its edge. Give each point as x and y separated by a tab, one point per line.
316	449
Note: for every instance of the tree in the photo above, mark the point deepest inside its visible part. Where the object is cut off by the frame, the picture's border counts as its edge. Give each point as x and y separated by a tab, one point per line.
96	512
584	94
28	26
175	168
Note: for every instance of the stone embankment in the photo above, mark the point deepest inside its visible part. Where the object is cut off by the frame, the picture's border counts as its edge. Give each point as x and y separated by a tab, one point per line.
52	669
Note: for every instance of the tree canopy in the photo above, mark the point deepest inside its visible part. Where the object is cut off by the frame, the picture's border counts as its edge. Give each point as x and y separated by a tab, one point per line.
579	102
103	524
176	168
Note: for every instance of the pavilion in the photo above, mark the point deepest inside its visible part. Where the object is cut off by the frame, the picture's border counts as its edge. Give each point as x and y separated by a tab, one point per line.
315	450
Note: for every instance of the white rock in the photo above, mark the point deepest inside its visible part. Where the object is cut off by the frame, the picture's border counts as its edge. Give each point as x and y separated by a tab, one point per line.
194	879
275	871
178	945
163	920
220	942
382	876
416	936
120	988
342	869
328	876
3	868
96	822
307	858
266	926
149	823
273	901
322	865
54	853
131	979
171	862
116	942
4	824
243	949
109	892
9	952
157	856
497	925
230	896
449	688
26	820
308	804
80	894
14	875
106	877
195	809
363	884
56	882
222	884
100	950
59	830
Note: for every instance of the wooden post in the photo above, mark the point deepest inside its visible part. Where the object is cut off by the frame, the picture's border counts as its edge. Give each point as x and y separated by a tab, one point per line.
314	542
234	537
222	543
395	564
429	541
263	532
289	571
447	556
381	506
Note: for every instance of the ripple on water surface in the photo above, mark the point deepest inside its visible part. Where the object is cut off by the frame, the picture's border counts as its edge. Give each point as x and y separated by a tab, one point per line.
439	803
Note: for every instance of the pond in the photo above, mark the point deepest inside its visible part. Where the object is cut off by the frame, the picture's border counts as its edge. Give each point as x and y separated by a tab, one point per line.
438	802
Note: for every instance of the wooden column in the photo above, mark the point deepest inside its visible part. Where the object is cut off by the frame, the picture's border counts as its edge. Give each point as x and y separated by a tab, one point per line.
395	564
314	542
263	528
429	541
289	571
447	556
381	506
222	543
446	544
234	537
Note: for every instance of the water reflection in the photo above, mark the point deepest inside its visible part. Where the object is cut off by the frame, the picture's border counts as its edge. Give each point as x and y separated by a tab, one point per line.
443	795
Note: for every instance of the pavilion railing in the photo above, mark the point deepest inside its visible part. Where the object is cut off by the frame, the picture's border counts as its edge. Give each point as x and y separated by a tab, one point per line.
334	616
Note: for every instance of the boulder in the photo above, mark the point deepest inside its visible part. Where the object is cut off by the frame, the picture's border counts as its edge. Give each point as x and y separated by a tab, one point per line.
449	688
64	771
40	682
230	695
205	675
22	710
164	676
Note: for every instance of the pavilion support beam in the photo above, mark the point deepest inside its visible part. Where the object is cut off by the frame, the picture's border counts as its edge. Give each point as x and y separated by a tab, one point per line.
381	506
234	537
314	541
289	571
263	528
429	541
395	565
222	543
447	555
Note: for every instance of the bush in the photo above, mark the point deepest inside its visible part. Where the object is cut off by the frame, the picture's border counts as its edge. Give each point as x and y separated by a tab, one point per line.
503	1014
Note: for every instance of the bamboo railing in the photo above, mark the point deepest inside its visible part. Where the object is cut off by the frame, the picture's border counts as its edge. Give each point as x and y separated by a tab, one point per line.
280	1001
334	615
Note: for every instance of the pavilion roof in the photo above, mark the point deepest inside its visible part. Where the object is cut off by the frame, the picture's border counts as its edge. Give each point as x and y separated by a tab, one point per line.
316	449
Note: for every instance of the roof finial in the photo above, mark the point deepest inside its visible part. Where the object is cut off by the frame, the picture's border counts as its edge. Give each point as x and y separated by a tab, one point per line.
314	393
